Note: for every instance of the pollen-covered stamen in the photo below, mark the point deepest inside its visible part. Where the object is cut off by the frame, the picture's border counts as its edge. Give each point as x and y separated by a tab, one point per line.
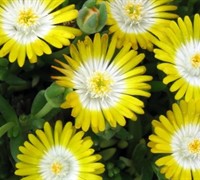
27	17
195	60
99	84
56	167
134	11
194	146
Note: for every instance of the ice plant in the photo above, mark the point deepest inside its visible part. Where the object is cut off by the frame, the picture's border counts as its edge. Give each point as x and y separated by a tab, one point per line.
179	51
138	21
106	83
177	137
58	154
28	27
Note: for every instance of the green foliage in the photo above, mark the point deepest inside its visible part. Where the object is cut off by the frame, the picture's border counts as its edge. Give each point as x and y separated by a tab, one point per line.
10	116
29	97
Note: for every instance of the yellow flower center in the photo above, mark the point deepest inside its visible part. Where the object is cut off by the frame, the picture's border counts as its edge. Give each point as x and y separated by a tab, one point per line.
27	17
194	146
100	84
56	167
134	11
196	60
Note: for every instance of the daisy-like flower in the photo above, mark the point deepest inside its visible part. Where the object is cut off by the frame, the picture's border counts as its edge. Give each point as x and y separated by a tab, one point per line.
177	137
27	27
105	83
137	21
179	50
58	154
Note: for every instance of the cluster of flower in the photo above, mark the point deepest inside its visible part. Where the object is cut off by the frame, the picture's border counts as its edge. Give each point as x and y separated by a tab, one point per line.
105	78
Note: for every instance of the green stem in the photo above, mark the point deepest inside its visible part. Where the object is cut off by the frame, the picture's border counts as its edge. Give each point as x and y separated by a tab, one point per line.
44	111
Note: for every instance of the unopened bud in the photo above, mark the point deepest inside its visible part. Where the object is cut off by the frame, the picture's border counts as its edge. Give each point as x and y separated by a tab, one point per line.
92	17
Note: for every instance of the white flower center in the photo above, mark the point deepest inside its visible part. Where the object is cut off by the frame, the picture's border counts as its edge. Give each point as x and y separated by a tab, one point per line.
99	84
186	146
25	21
59	164
133	16
187	60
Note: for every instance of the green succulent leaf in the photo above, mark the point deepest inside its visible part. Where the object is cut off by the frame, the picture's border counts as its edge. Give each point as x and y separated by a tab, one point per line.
6	127
54	95
38	102
9	115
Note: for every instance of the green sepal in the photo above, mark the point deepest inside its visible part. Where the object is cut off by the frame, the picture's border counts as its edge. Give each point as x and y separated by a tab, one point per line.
90	3
90	26
103	16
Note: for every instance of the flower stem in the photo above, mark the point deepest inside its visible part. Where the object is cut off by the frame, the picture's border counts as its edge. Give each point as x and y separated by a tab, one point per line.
44	111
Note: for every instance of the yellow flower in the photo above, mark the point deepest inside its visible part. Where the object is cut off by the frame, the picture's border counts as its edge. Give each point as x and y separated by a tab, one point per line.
180	53
137	21
27	27
58	154
106	83
177	137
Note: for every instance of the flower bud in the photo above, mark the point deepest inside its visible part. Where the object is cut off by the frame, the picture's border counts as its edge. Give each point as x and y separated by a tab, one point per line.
92	17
